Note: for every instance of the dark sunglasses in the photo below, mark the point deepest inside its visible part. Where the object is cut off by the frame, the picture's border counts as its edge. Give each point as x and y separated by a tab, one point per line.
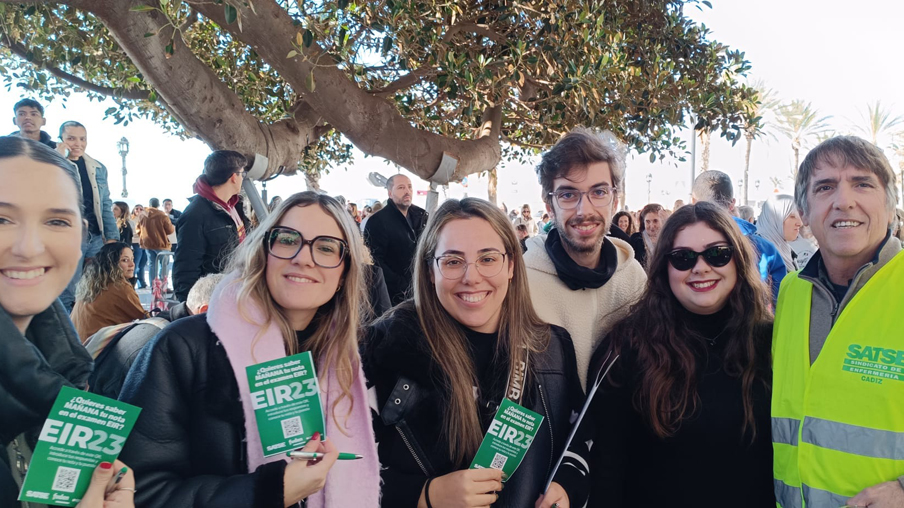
685	259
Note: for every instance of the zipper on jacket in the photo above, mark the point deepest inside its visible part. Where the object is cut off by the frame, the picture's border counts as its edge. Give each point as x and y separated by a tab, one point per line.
835	304
552	444
413	454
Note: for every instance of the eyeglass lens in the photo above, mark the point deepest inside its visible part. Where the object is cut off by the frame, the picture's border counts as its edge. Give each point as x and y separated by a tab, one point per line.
598	196
454	267
326	251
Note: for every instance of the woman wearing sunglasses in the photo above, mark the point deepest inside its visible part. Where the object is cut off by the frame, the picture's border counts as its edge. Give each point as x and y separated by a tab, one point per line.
683	418
440	366
294	285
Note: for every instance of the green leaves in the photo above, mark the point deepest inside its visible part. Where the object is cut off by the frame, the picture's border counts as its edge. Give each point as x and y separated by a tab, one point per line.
230	12
309	81
142	8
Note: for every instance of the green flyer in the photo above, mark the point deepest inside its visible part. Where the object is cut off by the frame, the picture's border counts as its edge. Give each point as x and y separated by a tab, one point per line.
285	395
82	430
508	439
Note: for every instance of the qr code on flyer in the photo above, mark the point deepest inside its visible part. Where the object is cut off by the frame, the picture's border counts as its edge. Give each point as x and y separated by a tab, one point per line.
291	427
66	479
498	461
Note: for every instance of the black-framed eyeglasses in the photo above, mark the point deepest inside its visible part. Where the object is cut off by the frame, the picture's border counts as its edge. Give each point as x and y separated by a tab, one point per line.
453	267
685	259
599	197
285	243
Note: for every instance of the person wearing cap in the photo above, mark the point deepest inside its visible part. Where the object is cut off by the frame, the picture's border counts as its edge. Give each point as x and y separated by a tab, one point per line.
213	223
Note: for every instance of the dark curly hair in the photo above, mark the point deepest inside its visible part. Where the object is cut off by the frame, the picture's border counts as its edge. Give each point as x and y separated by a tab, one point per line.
102	272
621	214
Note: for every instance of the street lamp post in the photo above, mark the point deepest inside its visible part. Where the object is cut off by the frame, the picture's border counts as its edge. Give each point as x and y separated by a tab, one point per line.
649	180
123	146
741	190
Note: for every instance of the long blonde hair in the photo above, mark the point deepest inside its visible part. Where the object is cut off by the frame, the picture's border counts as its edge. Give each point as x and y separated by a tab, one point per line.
334	344
521	331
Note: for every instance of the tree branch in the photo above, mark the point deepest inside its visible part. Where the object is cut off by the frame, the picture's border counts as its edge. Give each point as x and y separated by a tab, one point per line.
482	30
189	21
373	124
193	93
522	144
408	80
22	52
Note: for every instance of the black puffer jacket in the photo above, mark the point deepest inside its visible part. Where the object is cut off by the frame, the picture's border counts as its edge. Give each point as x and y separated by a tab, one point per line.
187	448
205	239
398	363
33	368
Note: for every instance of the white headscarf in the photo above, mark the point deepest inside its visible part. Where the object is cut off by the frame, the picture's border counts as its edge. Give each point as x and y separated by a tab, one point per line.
771	225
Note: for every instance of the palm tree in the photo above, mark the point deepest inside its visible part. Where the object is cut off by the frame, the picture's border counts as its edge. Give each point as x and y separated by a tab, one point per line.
706	139
758	126
878	122
800	121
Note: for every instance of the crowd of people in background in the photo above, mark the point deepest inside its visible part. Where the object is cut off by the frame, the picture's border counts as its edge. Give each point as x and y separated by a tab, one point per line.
759	358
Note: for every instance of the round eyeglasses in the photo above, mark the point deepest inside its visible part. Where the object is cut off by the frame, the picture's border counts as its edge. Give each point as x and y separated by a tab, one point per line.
489	264
599	197
286	243
716	257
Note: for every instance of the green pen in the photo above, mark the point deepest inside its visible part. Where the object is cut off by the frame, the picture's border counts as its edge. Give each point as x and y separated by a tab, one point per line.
122	472
317	455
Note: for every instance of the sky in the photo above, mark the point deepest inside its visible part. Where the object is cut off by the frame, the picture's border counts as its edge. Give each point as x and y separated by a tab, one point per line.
838	55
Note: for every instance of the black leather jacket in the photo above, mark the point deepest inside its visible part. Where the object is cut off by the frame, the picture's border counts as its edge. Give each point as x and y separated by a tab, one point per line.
412	447
187	448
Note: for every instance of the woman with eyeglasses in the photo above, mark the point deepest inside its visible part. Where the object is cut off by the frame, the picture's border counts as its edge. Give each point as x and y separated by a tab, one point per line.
683	419
295	284
441	364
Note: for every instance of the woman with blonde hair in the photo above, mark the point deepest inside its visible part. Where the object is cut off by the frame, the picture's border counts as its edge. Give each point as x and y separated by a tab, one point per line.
295	284
104	295
441	364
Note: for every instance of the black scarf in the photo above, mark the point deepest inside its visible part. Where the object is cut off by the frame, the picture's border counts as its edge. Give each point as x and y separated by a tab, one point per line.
576	276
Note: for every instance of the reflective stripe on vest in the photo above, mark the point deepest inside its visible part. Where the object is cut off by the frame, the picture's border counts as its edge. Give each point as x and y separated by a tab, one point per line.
838	425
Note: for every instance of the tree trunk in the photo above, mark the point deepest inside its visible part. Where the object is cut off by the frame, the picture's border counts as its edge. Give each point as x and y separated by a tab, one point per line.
747	169
705	138
371	123
796	164
492	183
312	182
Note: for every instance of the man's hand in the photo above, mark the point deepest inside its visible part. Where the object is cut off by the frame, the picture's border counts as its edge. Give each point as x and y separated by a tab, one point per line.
62	149
885	495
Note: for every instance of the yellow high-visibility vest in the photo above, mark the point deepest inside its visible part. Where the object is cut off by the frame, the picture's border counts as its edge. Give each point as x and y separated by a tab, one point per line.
838	425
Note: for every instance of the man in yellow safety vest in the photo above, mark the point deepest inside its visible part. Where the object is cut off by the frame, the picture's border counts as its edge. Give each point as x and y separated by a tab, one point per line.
838	344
